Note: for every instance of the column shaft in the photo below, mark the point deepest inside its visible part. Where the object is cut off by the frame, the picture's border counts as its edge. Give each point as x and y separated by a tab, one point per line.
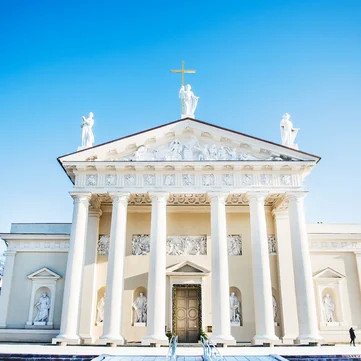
72	289
6	286
221	326
262	286
89	292
112	329
305	295
157	265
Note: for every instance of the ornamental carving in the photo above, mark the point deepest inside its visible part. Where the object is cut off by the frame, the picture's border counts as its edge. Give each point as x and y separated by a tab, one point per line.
140	244
188	199
149	179
227	179
103	245
247	179
129	179
234	245
208	180
272	249
91	180
286	179
336	246
266	179
110	179
188	179
186	245
193	149
169	179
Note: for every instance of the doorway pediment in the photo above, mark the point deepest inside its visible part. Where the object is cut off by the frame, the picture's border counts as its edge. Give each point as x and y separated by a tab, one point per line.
187	268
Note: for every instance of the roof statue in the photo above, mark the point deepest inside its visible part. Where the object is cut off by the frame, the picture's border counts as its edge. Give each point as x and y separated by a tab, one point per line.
87	136
190	101
288	133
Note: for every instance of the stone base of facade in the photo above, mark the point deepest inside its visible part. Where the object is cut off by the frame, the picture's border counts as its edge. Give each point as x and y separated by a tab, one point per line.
265	340
155	340
25	335
223	340
110	341
308	339
66	340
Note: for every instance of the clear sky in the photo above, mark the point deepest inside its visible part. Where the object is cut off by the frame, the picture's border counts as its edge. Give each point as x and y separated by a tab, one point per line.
255	60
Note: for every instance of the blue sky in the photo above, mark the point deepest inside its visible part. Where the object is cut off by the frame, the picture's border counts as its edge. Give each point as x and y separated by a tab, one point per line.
255	60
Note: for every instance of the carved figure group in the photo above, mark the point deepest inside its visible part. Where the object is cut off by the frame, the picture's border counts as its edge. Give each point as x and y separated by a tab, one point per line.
140	307
328	308
43	307
288	133
234	245
190	101
87	136
100	310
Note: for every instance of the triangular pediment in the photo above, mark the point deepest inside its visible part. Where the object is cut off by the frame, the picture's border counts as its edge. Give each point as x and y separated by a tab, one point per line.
328	273
188	140
44	273
186	267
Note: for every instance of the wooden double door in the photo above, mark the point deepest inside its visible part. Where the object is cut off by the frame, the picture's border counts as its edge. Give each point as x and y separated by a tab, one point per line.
187	320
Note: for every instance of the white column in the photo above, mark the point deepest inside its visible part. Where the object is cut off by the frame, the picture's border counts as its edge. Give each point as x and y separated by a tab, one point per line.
6	286
262	286
221	326
156	277
305	295
358	266
113	308
72	289
286	277
89	291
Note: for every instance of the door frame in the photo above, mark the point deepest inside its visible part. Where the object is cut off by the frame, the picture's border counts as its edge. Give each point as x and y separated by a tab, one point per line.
199	296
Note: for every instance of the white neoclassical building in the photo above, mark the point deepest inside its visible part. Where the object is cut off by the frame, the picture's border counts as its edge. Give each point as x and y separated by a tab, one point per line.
184	228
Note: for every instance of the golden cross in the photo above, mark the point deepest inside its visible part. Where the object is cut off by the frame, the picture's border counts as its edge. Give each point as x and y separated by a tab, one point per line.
183	71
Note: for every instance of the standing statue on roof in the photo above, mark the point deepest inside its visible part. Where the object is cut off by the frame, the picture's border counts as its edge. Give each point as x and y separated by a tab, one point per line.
288	133
190	101
87	136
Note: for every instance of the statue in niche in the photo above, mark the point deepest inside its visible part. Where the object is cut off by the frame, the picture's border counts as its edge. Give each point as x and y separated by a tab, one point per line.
140	307
87	136
288	133
328	308
275	309
43	306
190	101
234	310
100	310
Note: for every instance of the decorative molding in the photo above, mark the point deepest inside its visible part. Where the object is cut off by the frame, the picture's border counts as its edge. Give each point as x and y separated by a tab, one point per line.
227	179
140	244
186	245
130	180
234	245
208	180
188	179
103	245
45	244
346	246
110	180
91	180
272	244
149	179
169	180
188	199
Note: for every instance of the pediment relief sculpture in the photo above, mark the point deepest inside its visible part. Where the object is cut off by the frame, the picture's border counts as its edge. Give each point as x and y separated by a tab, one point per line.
194	149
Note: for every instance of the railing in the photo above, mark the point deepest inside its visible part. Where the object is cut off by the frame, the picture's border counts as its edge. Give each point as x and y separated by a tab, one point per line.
210	351
171	356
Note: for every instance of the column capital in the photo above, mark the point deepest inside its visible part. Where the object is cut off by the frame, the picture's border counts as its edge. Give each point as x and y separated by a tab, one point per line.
257	196
80	197
280	213
119	197
95	212
296	196
162	196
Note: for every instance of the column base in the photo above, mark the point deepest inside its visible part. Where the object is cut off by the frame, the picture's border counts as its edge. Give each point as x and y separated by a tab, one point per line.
265	339
307	339
87	339
112	341
66	340
155	339
224	339
289	339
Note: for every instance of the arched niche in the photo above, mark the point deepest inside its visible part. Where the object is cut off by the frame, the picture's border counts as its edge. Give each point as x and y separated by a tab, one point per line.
235	314
276	307
139	307
42	300
100	306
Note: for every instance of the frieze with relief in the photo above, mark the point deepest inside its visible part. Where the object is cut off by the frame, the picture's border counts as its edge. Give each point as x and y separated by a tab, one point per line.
272	246
193	149
234	245
186	245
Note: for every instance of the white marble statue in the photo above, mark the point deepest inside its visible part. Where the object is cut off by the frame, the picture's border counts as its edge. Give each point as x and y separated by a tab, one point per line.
87	136
275	309
328	308
140	307
190	101
288	133
43	306
100	310
234	309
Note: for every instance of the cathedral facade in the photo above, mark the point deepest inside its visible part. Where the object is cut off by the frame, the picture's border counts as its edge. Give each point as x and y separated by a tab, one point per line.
186	229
